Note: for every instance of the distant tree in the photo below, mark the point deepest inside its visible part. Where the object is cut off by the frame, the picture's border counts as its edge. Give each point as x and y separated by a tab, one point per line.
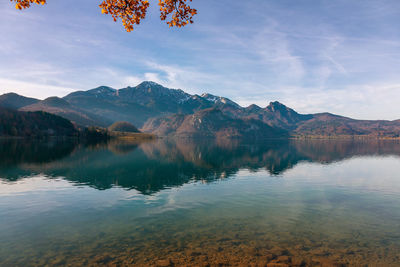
177	13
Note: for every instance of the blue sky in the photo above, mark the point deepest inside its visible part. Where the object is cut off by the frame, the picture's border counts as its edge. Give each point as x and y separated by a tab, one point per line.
341	56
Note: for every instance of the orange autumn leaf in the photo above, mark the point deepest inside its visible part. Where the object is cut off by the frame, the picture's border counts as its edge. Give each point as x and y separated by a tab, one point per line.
177	13
21	4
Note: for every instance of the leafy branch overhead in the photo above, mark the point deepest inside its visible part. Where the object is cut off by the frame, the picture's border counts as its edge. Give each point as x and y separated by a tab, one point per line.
177	13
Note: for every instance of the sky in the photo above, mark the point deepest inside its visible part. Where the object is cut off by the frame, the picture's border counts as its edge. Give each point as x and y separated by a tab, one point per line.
341	56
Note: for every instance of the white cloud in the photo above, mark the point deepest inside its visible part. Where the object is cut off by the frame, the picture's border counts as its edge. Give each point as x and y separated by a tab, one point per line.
132	80
151	76
378	101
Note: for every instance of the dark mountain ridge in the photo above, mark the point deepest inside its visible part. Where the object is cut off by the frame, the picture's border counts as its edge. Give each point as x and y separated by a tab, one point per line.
164	111
15	101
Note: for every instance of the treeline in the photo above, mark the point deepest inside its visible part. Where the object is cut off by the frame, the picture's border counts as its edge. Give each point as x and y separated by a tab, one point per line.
40	124
94	134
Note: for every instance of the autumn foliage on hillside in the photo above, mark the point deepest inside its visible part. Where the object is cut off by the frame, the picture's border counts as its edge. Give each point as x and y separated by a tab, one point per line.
177	13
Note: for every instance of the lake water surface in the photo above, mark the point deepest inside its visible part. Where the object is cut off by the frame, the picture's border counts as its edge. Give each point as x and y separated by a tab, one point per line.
200	203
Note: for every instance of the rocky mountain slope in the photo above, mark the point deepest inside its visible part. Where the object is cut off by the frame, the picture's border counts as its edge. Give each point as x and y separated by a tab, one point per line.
212	122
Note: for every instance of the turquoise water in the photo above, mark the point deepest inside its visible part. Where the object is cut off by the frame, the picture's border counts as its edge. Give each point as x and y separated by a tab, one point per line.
199	203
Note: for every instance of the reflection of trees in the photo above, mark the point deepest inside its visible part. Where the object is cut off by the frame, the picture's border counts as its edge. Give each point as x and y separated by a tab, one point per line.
152	166
122	148
15	152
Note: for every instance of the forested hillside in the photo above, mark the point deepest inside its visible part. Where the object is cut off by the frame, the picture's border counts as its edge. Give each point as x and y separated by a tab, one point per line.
34	124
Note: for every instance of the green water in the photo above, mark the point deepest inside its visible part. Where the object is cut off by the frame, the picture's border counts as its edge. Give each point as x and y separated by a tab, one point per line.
200	203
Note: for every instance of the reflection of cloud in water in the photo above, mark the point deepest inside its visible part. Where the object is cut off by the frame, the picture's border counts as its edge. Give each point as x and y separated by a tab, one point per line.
352	174
56	193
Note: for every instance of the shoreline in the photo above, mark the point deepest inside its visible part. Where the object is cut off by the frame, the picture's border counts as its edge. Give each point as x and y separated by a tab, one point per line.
149	136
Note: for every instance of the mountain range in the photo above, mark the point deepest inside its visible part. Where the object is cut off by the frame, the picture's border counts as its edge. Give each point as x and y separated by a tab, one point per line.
173	112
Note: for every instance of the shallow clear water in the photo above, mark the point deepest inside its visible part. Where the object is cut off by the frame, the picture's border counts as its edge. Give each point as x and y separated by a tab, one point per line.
199	203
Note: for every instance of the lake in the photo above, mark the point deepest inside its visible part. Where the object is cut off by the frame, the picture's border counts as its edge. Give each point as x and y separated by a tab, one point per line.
200	203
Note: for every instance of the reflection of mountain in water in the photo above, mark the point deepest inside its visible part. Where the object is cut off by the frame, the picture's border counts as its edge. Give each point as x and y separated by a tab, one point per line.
152	166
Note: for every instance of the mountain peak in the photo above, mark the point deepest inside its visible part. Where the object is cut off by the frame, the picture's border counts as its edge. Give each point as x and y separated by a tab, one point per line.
11	94
55	101
98	92
284	115
16	101
102	90
277	107
253	107
274	105
149	83
219	99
